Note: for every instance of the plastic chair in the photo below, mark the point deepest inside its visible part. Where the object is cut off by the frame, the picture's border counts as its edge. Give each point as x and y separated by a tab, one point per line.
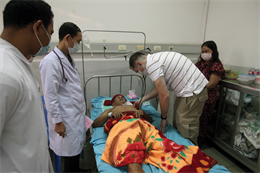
57	159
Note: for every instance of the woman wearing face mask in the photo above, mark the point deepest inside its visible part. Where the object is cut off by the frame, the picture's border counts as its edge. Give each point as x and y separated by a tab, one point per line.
210	65
63	97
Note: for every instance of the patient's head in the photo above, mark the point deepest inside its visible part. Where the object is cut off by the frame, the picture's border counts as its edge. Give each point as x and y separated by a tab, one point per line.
118	100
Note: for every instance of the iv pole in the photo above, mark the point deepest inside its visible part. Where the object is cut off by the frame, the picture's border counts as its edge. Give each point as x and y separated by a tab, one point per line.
125	55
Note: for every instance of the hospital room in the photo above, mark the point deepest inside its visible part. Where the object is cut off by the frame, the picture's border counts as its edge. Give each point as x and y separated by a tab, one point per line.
115	86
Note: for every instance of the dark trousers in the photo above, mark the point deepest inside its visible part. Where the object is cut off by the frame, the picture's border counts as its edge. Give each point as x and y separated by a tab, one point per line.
205	120
71	164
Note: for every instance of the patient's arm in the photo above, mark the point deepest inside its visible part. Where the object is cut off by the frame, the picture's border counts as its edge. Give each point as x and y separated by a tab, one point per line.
99	121
103	117
140	113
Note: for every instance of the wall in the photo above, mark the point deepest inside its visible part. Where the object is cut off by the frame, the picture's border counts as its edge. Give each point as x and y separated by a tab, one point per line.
162	21
234	26
171	23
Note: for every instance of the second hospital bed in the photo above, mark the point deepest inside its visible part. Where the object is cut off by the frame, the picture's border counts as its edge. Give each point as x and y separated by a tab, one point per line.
103	85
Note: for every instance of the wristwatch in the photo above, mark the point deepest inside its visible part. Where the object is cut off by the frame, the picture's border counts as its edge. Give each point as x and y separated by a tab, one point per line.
163	118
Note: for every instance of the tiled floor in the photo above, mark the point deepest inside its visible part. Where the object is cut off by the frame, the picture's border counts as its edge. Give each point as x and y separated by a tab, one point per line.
209	148
88	162
224	159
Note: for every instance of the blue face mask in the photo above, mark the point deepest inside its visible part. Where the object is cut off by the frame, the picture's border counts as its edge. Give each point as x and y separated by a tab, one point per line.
75	48
42	50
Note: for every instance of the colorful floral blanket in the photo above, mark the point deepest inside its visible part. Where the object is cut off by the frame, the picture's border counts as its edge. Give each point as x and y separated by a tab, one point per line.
134	140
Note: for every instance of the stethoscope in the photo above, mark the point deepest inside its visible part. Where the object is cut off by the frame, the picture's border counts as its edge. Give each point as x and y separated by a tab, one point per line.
144	77
64	79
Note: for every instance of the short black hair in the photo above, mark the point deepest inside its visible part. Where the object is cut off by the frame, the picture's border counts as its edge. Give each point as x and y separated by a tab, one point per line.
133	58
68	28
20	13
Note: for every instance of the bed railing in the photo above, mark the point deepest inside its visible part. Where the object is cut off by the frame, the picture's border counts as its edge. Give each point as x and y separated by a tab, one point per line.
120	76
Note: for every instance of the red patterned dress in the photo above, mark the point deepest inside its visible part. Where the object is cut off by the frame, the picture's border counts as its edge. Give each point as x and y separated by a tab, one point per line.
206	116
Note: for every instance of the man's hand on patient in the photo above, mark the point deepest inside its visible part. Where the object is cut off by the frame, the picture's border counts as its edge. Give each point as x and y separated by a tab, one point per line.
136	104
60	129
162	126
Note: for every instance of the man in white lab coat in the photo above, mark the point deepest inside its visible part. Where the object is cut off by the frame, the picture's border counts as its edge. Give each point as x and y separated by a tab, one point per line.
64	98
28	26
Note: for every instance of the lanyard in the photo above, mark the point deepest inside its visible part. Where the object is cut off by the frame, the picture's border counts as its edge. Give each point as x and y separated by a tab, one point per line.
64	79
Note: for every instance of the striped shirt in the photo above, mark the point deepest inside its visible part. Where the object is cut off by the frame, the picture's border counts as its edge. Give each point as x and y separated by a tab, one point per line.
180	74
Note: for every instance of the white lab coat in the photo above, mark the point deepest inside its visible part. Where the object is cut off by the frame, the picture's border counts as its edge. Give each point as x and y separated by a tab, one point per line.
23	135
64	102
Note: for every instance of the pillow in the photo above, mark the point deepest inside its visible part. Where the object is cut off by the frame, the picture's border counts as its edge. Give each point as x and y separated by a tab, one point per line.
105	107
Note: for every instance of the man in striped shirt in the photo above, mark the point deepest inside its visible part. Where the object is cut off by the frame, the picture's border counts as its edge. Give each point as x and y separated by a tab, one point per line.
175	72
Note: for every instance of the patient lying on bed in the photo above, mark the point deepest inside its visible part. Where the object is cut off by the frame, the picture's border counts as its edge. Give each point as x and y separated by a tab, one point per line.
133	140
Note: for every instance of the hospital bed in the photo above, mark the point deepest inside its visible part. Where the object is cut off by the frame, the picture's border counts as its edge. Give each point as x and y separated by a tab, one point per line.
123	83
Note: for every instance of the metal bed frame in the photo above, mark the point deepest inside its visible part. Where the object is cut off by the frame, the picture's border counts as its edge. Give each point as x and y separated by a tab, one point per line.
98	88
120	76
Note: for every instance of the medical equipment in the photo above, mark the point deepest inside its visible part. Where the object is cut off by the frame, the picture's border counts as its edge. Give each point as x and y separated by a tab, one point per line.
109	114
144	77
86	42
64	79
125	55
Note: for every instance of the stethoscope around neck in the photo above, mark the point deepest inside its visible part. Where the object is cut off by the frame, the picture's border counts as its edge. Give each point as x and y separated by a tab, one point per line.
144	77
64	79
